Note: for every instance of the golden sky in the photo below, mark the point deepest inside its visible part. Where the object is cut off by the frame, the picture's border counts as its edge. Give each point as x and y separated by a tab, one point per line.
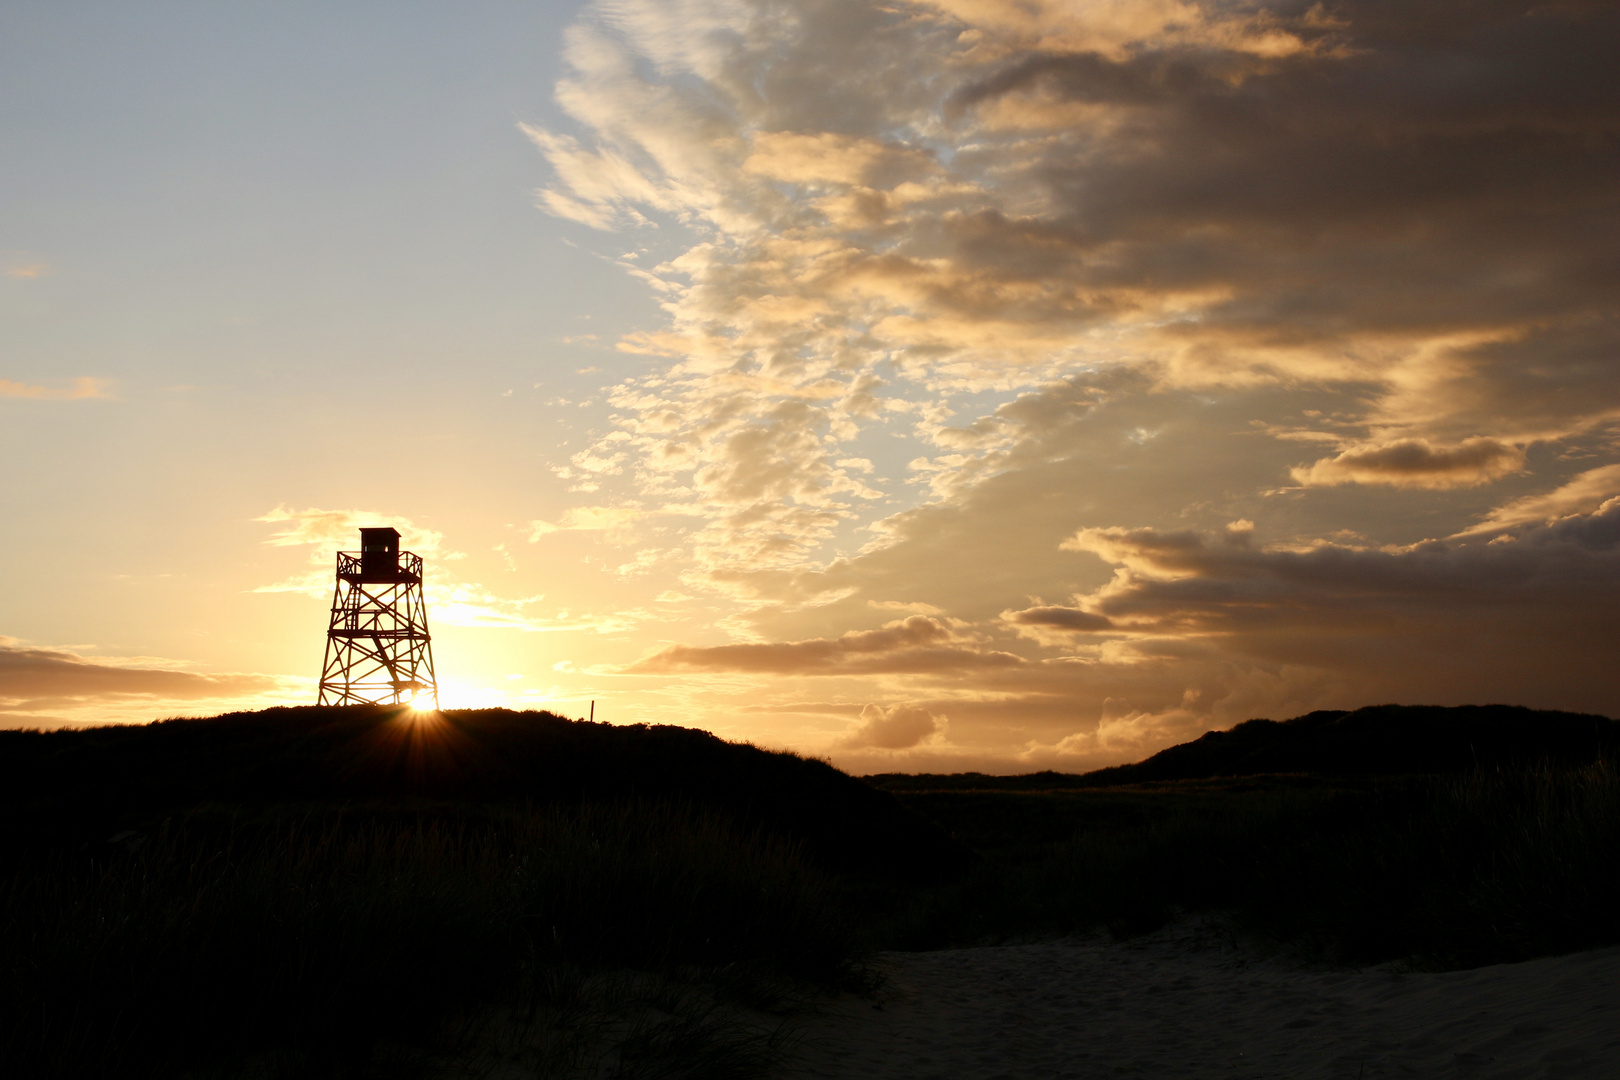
964	384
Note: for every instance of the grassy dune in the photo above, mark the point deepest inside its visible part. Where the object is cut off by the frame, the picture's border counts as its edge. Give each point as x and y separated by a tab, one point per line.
319	939
319	890
347	893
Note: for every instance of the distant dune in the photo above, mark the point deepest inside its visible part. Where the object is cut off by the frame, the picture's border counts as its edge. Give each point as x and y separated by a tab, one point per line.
1380	740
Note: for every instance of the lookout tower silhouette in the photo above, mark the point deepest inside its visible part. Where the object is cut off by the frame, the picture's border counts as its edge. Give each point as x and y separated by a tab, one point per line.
378	650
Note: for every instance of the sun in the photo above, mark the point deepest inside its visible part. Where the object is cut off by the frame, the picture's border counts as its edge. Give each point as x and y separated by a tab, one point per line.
422	702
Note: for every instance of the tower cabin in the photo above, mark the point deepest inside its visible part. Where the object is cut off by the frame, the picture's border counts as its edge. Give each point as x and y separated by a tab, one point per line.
379	557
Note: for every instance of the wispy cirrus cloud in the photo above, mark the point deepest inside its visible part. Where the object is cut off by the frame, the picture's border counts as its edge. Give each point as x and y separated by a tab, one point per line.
612	520
451	602
83	388
330	531
1588	491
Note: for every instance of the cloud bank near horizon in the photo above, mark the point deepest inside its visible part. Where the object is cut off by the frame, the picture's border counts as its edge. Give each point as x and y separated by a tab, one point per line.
54	687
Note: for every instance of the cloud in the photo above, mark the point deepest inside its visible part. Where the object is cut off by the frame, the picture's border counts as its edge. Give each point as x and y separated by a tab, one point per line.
457	603
1205	632
830	158
894	727
1514	616
1045	619
971	303
915	645
326	532
1118	30
982	193
40	684
1415	463
451	602
915	607
83	388
1587	492
336	529
615	520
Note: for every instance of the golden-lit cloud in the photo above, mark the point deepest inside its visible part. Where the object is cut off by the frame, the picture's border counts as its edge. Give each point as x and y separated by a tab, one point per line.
1118	29
895	727
451	602
1415	463
910	646
826	157
42	686
1589	491
330	531
82	388
615	520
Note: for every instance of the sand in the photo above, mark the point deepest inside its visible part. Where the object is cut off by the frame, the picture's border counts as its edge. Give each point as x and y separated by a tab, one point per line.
1181	1003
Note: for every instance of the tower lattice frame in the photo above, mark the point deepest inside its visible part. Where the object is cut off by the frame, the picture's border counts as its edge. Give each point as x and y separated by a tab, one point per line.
378	649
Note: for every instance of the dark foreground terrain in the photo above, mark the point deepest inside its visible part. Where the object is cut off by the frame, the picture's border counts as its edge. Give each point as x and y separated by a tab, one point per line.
367	892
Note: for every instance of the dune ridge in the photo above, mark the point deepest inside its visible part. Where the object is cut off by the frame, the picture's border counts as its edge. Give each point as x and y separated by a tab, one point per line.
98	781
1378	740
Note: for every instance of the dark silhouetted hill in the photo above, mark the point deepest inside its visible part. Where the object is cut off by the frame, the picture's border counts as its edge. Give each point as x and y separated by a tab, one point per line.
89	782
1381	740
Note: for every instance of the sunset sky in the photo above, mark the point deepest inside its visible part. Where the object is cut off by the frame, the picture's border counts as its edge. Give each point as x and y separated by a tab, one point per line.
926	384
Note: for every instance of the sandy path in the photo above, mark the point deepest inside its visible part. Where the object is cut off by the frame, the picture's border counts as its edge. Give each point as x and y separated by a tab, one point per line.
1175	1005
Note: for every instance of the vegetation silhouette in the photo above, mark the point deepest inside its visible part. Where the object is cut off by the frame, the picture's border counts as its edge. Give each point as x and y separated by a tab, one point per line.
311	944
1439	871
364	891
90	783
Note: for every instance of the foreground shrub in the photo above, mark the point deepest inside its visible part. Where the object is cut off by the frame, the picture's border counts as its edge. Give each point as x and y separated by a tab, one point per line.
1488	867
222	937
